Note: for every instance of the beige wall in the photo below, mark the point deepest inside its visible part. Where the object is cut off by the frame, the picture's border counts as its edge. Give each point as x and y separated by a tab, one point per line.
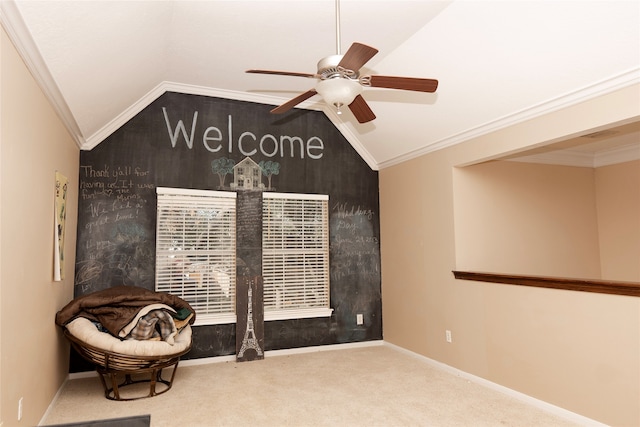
618	198
34	144
576	350
548	220
525	218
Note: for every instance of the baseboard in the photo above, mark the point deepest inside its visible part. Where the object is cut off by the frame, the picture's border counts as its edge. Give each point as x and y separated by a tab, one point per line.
52	403
532	401
80	375
330	347
284	352
269	353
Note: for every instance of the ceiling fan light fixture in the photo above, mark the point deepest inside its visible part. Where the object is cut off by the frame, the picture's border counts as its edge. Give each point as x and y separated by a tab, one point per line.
338	91
340	83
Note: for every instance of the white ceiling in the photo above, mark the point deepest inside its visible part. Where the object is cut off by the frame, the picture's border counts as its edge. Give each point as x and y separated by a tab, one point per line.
498	62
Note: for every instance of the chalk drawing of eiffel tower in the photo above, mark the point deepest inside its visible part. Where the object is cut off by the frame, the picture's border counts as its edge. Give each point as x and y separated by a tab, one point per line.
249	340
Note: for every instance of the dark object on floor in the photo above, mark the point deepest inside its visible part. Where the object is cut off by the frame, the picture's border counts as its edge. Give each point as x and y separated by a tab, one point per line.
135	421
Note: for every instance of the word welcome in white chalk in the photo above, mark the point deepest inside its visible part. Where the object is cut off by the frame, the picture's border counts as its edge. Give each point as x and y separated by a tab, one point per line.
247	144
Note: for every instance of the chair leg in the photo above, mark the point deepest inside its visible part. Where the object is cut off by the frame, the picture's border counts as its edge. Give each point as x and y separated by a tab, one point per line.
109	379
173	374
114	383
152	385
104	383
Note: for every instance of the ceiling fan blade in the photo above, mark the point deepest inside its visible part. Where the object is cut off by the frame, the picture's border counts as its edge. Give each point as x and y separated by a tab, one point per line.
293	102
282	73
404	83
357	55
361	110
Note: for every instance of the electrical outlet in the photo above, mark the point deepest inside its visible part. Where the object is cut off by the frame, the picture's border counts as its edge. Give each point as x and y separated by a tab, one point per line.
20	409
359	319
447	335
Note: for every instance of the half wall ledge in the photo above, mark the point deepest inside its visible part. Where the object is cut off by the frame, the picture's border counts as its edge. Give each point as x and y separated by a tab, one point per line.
582	285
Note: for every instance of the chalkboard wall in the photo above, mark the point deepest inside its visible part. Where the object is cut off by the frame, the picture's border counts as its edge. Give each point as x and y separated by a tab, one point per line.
187	141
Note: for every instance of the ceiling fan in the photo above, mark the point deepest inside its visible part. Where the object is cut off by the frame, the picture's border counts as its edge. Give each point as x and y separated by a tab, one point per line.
339	81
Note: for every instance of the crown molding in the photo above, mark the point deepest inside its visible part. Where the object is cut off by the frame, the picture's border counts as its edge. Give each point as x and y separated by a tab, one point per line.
104	132
586	93
20	36
165	86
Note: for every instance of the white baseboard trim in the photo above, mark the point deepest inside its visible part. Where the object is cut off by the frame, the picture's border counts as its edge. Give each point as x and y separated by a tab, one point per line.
53	402
80	375
208	360
285	352
540	404
329	347
270	353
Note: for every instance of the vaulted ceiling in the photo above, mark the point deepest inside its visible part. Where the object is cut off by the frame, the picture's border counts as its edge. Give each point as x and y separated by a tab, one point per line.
498	62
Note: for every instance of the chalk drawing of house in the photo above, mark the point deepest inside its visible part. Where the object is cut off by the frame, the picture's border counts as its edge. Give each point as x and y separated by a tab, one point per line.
247	175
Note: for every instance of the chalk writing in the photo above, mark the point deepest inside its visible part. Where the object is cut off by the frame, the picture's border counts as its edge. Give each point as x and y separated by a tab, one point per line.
247	144
354	243
114	243
342	210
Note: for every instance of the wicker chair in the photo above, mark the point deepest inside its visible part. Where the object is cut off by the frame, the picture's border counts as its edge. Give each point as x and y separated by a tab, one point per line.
118	370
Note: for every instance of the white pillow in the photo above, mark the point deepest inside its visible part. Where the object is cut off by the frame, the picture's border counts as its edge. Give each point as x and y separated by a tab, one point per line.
83	329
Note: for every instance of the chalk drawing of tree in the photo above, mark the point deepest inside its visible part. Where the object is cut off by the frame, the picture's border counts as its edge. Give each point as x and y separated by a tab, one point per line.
269	169
222	166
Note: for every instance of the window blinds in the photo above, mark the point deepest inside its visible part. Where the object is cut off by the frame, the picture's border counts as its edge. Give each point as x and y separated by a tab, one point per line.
196	250
295	257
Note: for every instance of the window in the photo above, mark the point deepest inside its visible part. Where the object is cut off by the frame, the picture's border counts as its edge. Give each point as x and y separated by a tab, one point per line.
196	250
196	253
295	256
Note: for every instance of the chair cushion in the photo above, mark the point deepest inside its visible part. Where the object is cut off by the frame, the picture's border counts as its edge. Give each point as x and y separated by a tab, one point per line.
86	331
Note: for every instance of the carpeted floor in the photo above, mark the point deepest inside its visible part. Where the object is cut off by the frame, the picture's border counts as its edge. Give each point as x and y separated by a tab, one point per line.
367	386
